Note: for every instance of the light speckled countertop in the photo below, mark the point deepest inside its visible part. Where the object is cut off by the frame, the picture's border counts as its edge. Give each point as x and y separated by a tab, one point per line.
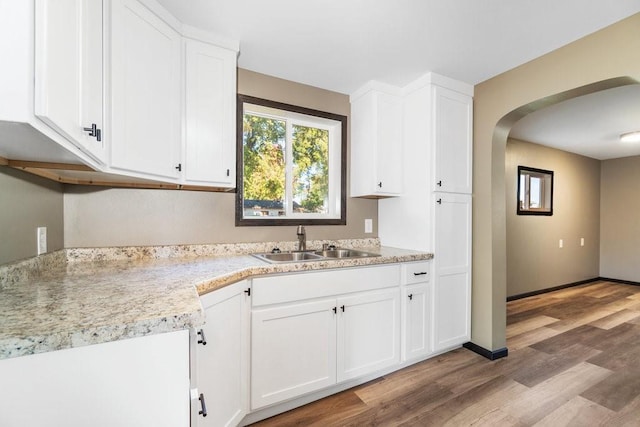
78	297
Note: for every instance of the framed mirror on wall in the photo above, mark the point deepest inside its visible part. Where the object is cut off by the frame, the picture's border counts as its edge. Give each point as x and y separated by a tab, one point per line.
535	191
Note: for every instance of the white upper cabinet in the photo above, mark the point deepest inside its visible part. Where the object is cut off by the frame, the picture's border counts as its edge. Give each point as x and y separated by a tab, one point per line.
145	92
68	71
453	124
376	141
210	98
121	86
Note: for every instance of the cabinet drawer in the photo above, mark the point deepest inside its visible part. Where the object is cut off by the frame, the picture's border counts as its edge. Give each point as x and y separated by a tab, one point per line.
317	284
416	272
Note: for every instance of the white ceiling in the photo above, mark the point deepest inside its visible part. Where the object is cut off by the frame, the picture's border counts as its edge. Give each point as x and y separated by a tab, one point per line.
590	125
341	44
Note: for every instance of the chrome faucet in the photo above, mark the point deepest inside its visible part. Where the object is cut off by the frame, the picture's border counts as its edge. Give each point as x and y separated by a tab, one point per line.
302	238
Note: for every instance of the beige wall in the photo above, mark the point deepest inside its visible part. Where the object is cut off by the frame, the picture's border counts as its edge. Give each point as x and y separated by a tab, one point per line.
534	259
610	53
28	202
121	217
620	219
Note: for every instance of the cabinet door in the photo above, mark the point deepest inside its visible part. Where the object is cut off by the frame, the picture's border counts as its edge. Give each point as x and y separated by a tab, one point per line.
146	86
417	301
376	144
368	333
389	145
293	350
210	144
453	116
68	70
222	364
132	382
452	267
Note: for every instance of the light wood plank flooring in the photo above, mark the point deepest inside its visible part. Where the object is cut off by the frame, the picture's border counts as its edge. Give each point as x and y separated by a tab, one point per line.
574	360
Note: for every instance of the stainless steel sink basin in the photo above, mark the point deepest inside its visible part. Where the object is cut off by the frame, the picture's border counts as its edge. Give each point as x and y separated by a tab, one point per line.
288	257
345	253
293	256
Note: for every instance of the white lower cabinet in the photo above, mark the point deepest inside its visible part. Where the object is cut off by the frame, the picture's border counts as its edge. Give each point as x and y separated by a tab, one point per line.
298	347
293	350
133	382
452	270
222	363
417	310
303	347
368	333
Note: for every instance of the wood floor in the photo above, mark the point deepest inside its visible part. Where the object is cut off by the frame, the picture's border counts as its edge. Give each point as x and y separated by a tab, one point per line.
574	360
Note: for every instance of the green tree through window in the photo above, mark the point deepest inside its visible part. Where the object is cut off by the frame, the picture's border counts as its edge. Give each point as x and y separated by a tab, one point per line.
292	168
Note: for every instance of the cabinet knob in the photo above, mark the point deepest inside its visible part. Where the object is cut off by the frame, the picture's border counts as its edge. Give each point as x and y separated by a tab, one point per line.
202	339
203	411
439	183
380	184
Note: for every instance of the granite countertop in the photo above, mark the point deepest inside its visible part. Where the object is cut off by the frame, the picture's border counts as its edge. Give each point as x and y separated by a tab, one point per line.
78	297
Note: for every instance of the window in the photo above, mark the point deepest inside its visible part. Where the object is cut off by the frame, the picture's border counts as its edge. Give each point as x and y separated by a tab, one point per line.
291	165
535	191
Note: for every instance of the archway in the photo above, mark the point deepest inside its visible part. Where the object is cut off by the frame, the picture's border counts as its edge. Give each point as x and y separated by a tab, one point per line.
593	63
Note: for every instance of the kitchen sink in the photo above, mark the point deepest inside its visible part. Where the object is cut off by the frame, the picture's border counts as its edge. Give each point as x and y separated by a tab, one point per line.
302	256
288	256
344	253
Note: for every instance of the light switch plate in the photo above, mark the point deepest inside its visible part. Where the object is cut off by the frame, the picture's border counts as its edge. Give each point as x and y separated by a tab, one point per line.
41	233
368	225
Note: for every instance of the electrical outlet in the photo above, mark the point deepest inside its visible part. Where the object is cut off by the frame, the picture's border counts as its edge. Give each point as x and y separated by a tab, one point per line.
582	241
41	233
561	244
368	225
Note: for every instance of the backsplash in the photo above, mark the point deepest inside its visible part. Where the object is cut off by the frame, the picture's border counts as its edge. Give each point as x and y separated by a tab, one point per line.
24	270
192	251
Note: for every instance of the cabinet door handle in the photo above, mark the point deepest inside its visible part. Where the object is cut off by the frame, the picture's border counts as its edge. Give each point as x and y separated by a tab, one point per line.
179	167
380	184
203	411
227	172
248	292
422	273
439	201
410	297
439	183
342	308
335	310
94	131
202	340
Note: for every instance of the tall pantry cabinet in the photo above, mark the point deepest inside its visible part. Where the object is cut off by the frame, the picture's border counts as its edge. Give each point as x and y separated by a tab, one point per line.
433	213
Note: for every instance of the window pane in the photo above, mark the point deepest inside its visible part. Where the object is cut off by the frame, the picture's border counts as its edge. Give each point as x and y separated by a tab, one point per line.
535	192
310	147
263	152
